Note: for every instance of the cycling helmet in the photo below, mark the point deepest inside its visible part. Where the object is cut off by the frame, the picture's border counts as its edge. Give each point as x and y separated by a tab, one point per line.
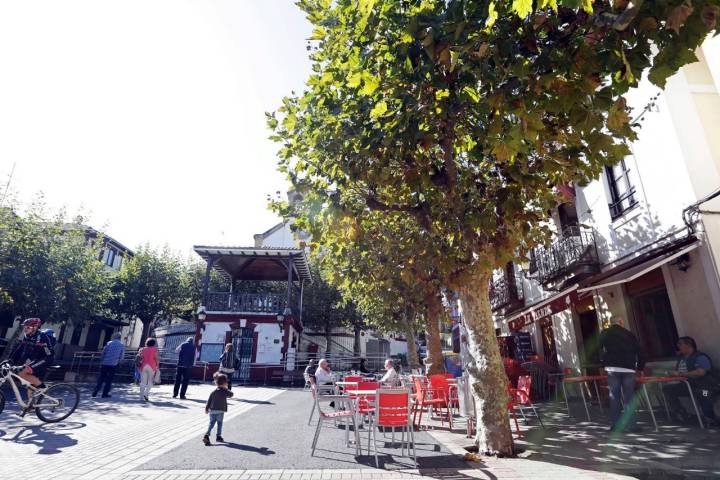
32	322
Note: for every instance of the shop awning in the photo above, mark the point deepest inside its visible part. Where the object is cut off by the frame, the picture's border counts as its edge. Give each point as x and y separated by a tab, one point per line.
544	308
639	270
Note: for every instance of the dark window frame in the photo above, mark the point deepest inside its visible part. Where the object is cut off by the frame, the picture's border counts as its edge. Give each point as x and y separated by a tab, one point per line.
110	259
621	201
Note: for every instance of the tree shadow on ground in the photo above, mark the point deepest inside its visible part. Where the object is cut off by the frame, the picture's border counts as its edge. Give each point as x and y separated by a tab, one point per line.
49	438
674	451
255	402
245	448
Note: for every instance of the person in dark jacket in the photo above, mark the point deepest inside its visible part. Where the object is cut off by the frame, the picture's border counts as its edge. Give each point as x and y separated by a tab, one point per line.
186	360
697	368
621	356
216	407
310	369
228	363
34	352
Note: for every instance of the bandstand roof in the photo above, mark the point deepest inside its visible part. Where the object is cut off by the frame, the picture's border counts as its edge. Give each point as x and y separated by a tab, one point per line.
257	263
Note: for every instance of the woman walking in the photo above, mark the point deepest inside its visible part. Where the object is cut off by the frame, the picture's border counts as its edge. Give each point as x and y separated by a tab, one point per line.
149	367
228	364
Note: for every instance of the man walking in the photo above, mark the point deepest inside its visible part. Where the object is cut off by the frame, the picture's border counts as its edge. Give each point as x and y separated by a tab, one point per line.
186	359
620	354
111	355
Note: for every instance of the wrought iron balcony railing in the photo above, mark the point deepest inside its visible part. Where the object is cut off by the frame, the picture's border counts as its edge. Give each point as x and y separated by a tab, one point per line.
574	252
269	303
504	292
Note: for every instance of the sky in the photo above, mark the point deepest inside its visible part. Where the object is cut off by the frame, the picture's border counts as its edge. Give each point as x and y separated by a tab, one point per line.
149	115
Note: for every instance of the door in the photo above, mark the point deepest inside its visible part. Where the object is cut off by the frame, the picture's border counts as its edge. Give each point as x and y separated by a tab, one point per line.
590	334
93	338
548	340
655	324
243	343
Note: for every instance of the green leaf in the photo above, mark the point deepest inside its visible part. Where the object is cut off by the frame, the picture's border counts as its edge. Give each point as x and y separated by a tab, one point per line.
379	109
492	15
547	3
289	122
587	6
354	80
371	84
522	7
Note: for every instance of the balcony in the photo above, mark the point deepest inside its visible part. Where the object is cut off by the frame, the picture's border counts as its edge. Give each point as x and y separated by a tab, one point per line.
258	303
574	255
505	293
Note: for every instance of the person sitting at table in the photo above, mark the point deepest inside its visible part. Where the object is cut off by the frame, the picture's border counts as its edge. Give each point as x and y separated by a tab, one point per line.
391	376
323	375
621	356
309	370
697	368
362	368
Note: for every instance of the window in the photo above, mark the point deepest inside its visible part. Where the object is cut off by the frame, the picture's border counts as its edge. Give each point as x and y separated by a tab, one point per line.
110	258
76	334
622	193
654	320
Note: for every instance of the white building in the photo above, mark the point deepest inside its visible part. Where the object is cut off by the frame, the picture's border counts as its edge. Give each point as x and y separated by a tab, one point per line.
640	242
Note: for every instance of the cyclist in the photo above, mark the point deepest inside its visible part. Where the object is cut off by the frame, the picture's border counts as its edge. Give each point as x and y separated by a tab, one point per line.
34	352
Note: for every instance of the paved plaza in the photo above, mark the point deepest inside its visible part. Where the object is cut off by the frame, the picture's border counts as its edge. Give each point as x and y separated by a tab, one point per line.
268	438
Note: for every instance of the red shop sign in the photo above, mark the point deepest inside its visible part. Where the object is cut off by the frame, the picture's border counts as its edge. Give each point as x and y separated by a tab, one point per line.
534	314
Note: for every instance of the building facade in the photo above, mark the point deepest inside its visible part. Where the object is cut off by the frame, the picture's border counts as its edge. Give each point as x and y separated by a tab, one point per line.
642	242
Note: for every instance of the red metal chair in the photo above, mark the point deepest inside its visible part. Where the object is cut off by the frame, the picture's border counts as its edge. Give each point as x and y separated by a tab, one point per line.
423	400
348	414
314	389
392	410
520	398
366	403
440	393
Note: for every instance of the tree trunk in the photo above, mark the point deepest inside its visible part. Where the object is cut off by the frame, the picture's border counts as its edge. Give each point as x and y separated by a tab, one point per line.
328	338
357	351
409	331
145	331
436	313
485	367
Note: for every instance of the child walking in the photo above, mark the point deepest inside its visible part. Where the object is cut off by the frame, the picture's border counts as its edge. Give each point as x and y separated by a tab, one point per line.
216	407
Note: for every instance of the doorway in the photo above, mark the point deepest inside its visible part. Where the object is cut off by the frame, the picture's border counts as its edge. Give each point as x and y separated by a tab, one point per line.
548	341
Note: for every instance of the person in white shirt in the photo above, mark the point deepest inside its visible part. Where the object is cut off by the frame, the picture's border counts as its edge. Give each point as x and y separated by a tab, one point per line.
323	375
391	376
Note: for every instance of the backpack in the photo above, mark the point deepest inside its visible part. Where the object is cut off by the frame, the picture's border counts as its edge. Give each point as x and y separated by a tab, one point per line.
51	341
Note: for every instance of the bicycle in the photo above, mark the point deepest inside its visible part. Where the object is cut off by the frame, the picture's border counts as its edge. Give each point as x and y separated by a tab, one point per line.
51	404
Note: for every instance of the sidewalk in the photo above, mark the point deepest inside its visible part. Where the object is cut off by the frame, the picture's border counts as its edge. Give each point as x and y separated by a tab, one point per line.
105	438
268	438
572	447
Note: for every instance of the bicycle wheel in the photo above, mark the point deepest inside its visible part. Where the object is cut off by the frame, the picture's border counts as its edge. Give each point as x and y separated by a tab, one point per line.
57	403
2	402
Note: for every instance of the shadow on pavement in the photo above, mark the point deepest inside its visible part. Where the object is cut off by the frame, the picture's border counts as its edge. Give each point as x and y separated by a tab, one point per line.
245	448
675	451
256	402
47	437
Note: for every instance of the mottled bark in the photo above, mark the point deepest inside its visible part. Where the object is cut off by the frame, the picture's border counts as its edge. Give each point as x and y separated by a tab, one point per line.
409	331
436	314
484	365
328	338
357	350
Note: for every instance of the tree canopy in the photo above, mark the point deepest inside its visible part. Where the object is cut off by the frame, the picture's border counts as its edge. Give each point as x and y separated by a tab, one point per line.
465	119
154	286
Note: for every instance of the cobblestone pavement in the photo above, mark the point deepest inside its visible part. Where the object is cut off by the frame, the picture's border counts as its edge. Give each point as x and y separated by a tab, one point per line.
109	436
124	439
